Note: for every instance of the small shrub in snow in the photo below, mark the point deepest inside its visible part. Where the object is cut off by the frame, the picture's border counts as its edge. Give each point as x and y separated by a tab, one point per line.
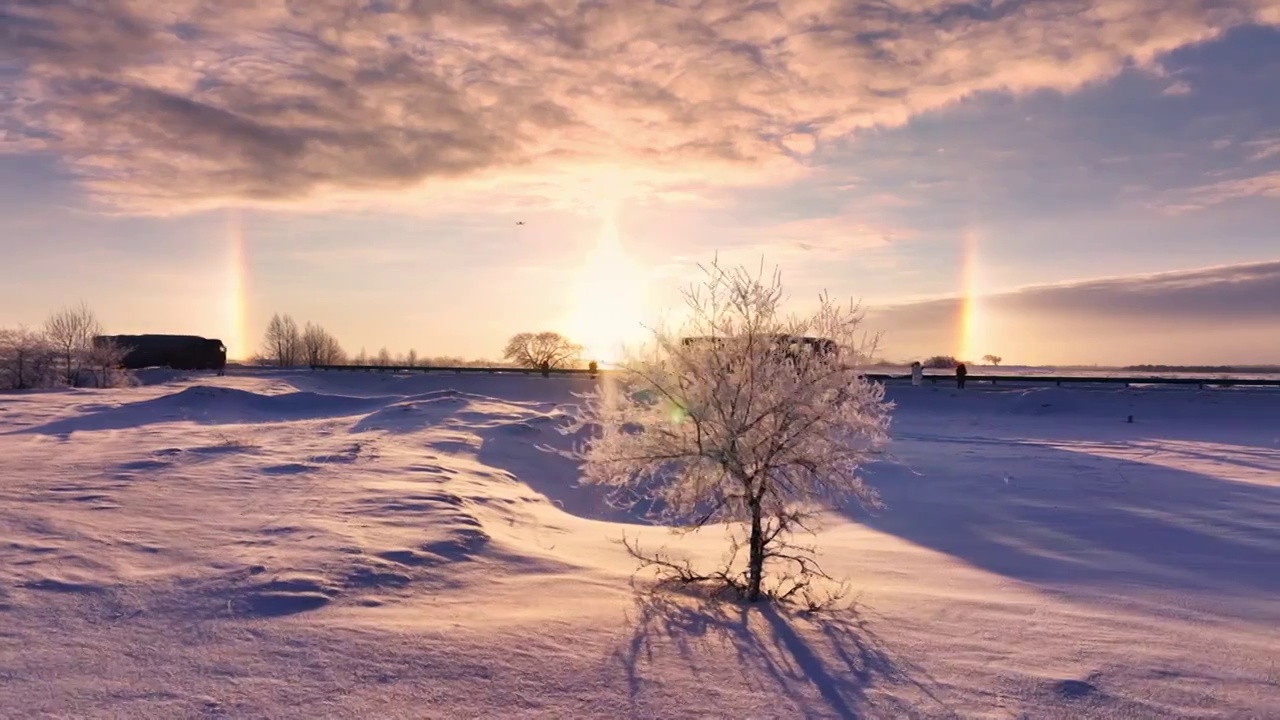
941	362
229	441
743	426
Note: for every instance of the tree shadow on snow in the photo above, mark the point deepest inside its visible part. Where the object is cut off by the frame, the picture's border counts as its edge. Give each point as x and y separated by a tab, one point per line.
823	664
1072	520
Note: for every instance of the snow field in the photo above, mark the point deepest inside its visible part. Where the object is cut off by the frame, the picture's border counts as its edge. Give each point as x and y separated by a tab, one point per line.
356	545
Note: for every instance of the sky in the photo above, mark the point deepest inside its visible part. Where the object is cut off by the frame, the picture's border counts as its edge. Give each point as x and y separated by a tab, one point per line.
1051	181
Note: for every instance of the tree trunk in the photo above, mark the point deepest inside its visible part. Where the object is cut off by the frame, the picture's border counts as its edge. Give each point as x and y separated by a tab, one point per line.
755	565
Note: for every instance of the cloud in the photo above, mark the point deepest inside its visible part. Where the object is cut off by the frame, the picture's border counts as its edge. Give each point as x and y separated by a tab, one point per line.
1263	148
836	235
1216	314
186	103
1265	185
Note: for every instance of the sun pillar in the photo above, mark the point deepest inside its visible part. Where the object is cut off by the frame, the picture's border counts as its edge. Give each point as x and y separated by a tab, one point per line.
609	297
971	335
234	299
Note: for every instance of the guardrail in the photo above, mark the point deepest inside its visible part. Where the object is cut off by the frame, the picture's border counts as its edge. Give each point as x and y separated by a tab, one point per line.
464	369
933	379
1127	381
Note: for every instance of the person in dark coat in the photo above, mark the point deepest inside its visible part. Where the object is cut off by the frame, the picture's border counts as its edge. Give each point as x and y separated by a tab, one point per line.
961	371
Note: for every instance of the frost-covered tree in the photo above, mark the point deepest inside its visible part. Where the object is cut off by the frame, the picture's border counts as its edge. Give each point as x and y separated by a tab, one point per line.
746	418
70	331
411	359
26	360
548	350
105	361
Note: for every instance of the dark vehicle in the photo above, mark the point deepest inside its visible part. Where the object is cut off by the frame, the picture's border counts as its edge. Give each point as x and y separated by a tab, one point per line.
180	352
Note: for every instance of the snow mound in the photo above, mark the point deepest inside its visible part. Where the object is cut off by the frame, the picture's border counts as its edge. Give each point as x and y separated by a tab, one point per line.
148	377
214	405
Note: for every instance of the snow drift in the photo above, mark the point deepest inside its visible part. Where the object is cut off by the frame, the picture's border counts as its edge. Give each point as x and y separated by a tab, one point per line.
299	545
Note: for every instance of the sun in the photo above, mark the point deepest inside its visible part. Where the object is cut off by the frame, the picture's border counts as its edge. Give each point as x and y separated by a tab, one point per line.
608	299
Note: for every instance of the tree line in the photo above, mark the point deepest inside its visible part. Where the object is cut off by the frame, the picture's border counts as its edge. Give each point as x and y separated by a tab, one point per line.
285	343
60	353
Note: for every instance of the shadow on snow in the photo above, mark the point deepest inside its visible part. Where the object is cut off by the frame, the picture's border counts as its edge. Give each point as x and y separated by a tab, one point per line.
822	664
1067	518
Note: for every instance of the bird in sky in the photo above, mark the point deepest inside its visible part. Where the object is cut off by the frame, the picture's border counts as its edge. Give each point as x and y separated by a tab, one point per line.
519	222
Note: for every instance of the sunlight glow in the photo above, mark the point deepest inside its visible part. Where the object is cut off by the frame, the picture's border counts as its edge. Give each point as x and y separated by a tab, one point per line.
609	298
971	320
234	299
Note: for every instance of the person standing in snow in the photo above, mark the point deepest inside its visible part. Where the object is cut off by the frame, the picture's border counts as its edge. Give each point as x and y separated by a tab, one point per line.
917	373
961	371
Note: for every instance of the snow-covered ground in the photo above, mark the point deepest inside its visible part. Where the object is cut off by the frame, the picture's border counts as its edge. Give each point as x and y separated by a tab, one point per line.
305	545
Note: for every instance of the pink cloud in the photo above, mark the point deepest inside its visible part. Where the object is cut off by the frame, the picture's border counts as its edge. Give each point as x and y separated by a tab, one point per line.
1265	185
164	106
1264	148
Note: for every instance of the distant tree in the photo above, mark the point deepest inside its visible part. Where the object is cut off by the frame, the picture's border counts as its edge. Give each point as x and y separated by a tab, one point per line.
71	331
734	433
941	362
547	350
283	342
411	360
361	358
992	359
333	354
384	358
319	347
